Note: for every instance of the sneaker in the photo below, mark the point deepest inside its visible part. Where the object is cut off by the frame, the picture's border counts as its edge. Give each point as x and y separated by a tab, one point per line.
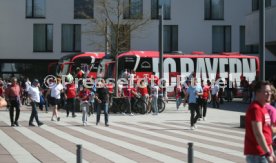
74	116
16	124
84	124
131	114
40	124
106	124
123	113
58	118
195	126
12	125
31	125
204	119
52	119
192	127
97	123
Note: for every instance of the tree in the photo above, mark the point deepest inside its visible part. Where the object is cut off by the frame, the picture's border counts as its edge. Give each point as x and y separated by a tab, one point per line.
115	21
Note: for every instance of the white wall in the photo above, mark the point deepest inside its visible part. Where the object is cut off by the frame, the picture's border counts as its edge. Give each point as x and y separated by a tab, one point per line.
195	33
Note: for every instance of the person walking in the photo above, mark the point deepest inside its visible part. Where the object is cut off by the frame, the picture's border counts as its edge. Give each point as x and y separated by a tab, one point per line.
192	94
102	97
215	95
70	97
178	98
34	95
84	96
13	97
258	134
55	97
205	96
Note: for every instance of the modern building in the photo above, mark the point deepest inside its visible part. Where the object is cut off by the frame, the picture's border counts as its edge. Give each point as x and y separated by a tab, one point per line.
34	33
252	32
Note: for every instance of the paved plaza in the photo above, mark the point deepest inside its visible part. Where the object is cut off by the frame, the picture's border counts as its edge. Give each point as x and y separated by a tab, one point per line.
139	138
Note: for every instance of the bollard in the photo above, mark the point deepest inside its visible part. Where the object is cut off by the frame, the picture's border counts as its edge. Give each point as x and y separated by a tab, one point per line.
190	153
79	153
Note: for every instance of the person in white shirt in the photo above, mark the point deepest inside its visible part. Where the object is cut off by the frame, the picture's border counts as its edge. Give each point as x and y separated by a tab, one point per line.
214	93
55	98
34	96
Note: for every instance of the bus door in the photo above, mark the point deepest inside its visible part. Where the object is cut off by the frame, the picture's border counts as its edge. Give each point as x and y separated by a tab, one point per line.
64	68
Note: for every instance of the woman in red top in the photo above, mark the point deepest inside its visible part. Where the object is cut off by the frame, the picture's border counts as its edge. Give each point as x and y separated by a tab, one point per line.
205	97
84	104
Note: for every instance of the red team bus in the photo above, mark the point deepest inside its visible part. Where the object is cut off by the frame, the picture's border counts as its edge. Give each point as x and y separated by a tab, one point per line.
205	66
86	61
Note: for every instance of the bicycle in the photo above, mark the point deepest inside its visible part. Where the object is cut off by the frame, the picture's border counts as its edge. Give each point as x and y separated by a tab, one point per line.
119	104
139	105
160	104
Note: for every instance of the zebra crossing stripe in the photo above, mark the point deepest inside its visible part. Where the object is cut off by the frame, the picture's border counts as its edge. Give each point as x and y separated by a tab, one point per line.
201	130
48	145
200	155
16	150
129	146
220	149
220	129
110	155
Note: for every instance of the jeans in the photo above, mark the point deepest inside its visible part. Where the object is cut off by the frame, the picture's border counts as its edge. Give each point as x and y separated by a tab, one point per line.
146	99
14	104
256	159
204	107
178	102
71	103
193	107
215	101
34	113
103	106
154	104
85	108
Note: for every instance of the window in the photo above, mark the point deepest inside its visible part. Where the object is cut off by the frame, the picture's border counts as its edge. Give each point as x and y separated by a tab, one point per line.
166	9
214	9
255	4
35	8
83	9
133	9
43	38
71	37
170	38
221	39
246	49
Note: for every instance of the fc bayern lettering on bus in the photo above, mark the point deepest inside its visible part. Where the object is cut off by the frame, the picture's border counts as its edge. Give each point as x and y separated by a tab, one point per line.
145	64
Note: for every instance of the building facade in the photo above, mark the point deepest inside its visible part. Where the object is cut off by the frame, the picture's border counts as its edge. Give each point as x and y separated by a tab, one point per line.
252	34
34	33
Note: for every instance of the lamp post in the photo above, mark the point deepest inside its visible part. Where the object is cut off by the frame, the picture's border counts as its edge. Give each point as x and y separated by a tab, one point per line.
160	41
262	38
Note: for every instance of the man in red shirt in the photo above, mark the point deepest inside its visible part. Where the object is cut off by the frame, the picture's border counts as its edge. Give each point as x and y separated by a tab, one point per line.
129	92
71	98
258	134
13	96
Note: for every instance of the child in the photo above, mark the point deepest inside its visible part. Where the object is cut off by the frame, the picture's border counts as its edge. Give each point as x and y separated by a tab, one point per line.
84	95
